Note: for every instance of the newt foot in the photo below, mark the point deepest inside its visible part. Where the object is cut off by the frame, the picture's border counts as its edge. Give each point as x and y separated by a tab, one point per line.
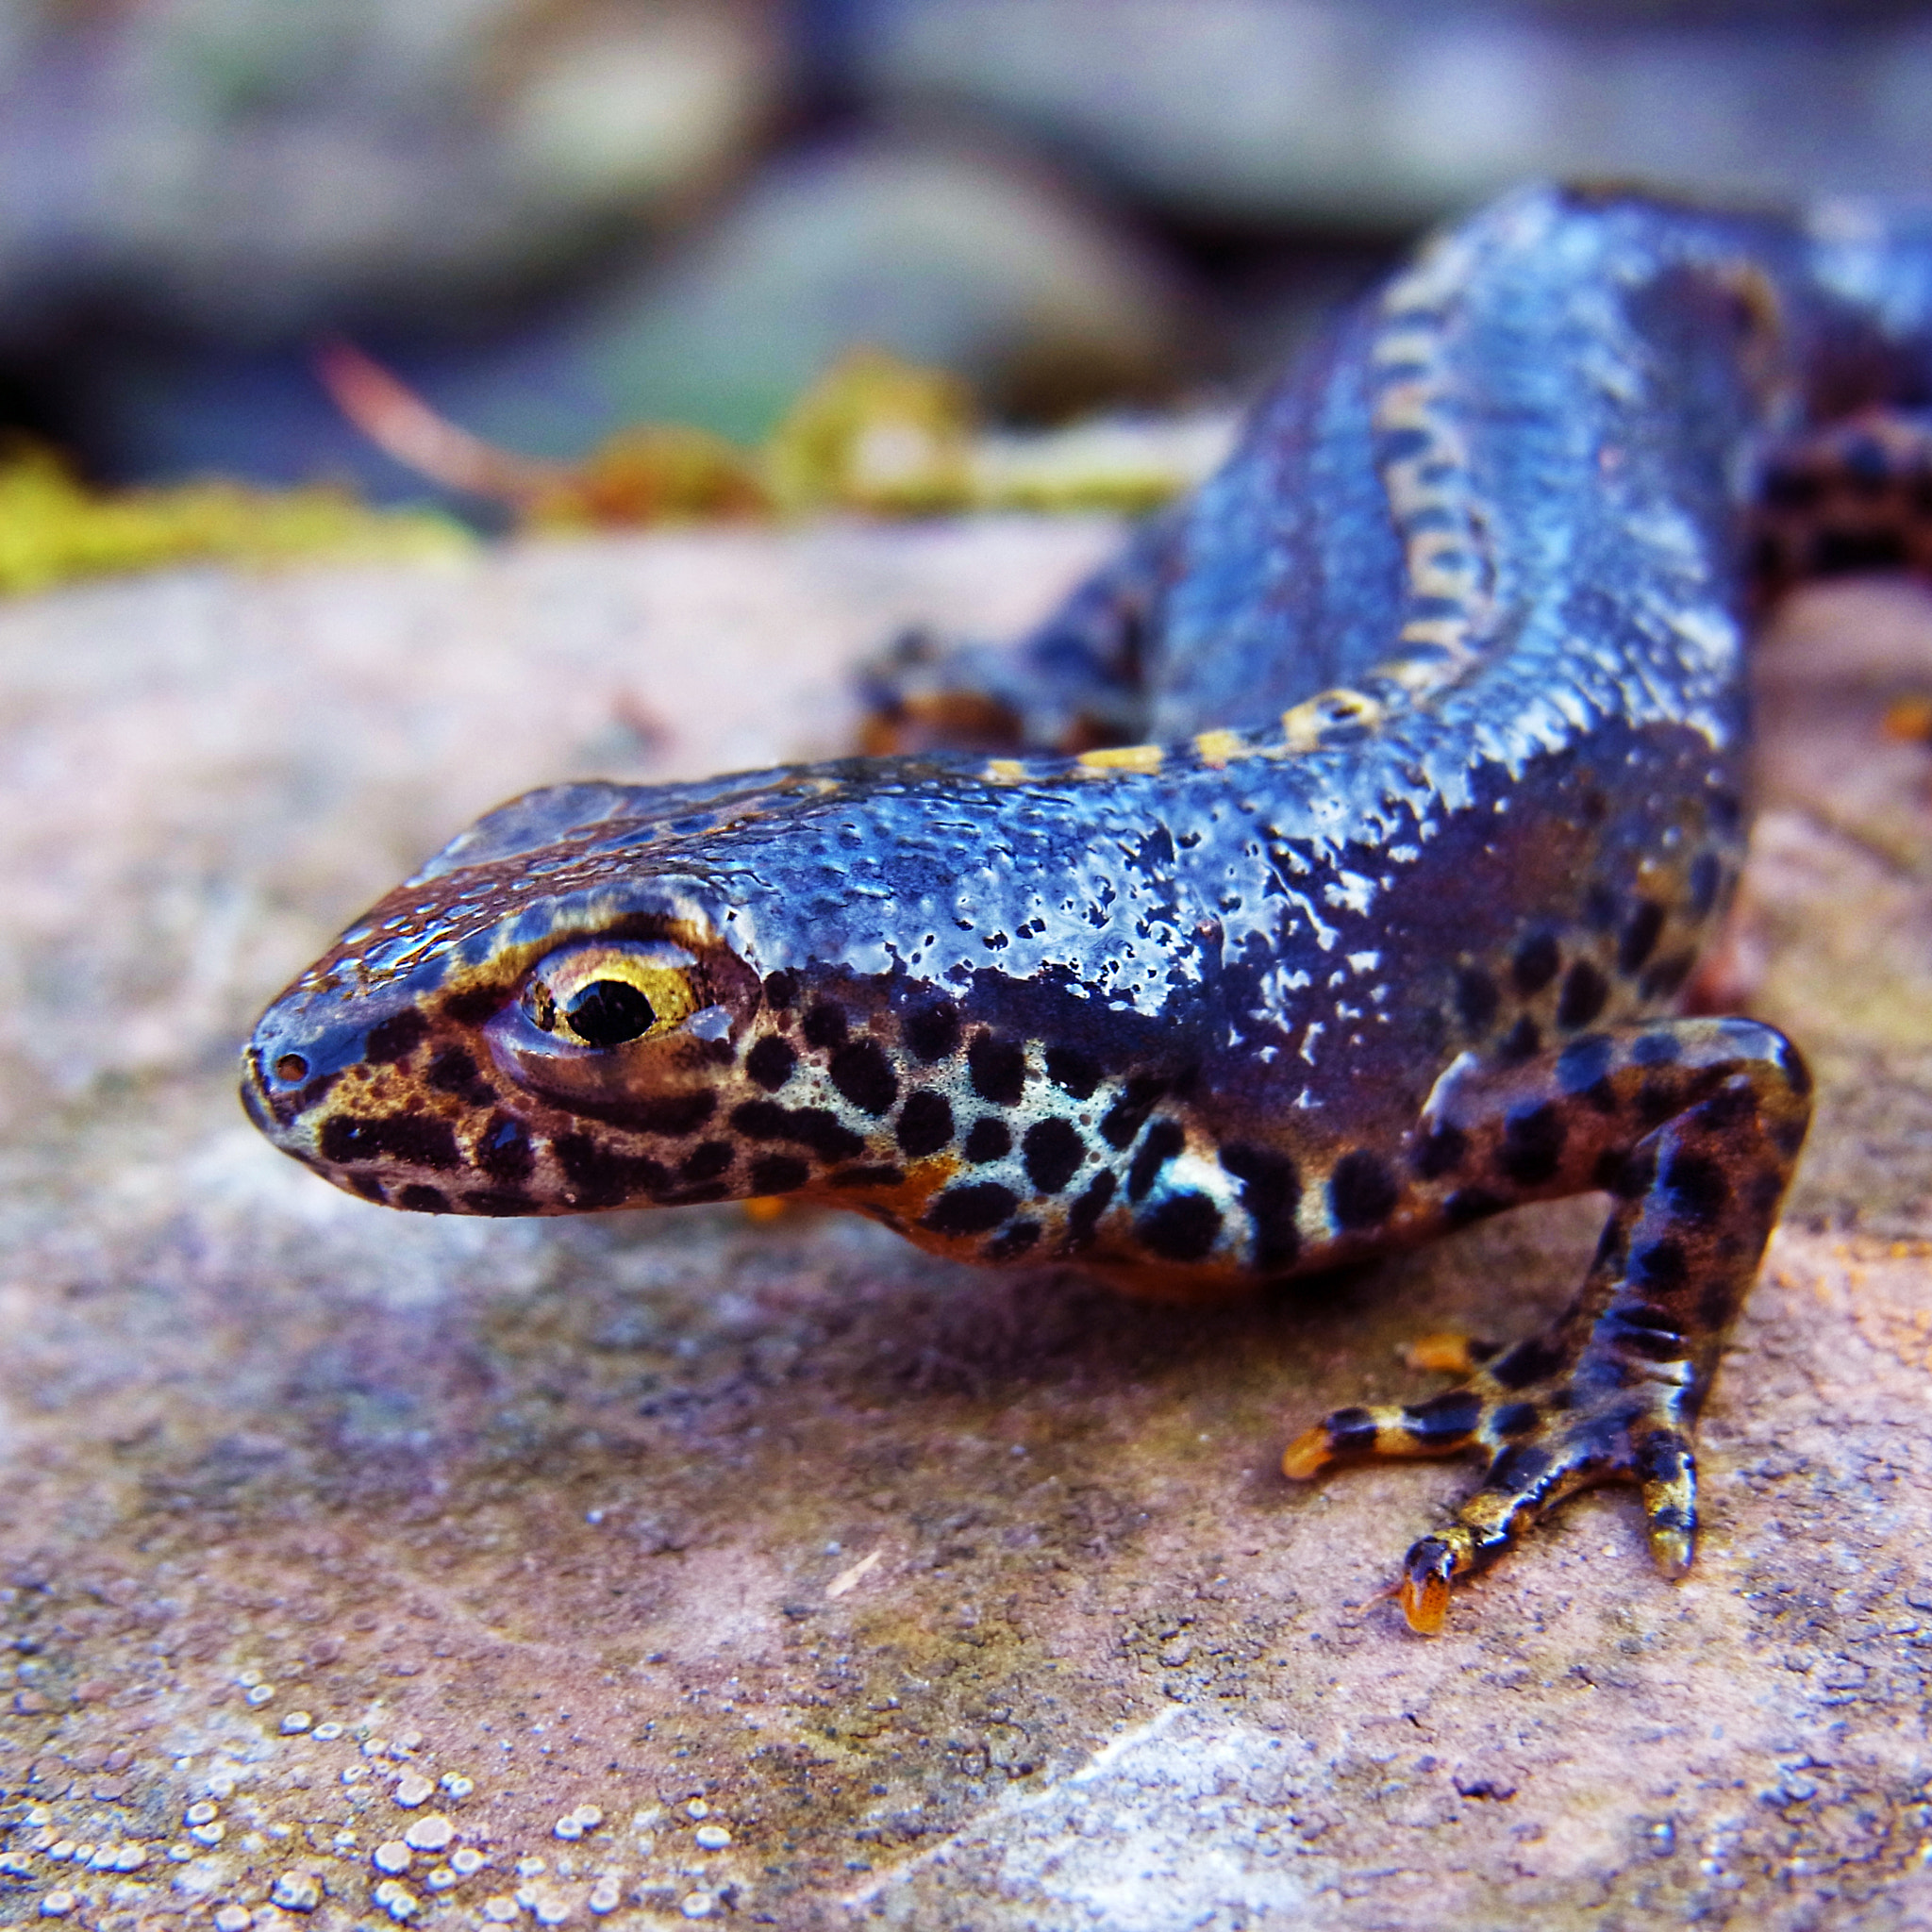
1546	1441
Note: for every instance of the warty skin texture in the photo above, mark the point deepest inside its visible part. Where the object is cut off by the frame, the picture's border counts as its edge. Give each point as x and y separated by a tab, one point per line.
1412	791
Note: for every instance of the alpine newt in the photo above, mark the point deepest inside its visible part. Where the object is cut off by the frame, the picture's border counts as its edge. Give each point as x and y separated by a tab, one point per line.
1323	878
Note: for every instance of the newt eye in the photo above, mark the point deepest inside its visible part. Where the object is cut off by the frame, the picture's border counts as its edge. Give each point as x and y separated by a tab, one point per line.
606	994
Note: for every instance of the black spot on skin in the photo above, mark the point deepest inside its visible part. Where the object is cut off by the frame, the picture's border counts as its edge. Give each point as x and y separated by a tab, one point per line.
1165	1138
1663	1457
1534	1360
1640	935
414	1137
1707	877
1054	1152
1125	1119
453	1071
1533	1144
933	1032
1771	564
706	1162
1444	1419
369	1186
1083	1217
1535	964
781	990
810	1126
1477	998
973	1210
677	1114
1585	1065
998	1069
1658	1049
1717	1304
1664	980
396	1038
988	1140
1840	553
500	1202
421	1200
1657	1099
1585	991
1361	1190
1660	1265
777	1174
824	1025
867	1177
770	1063
1790	486
925	1123
1471	1204
1518	1468
1600	908
1515	1419
473	1008
1522	1042
502	1152
1442	1150
1016	1240
1697	1187
1073	1071
1271	1191
1181	1229
864	1075
1351	1432
602	1178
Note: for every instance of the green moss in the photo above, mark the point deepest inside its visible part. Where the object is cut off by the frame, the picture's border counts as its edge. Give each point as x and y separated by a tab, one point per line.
54	529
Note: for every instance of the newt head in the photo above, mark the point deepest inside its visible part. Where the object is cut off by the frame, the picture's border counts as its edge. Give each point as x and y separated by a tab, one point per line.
541	1020
605	996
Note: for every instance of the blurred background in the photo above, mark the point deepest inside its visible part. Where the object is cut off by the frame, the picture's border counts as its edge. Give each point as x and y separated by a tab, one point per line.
553	218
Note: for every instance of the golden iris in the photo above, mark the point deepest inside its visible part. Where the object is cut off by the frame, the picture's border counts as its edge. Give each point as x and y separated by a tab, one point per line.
608	994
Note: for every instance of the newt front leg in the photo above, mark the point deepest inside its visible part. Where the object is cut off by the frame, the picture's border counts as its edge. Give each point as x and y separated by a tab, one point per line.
1693	1126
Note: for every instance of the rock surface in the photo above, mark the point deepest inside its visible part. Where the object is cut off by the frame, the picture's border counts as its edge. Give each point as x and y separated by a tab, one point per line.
652	1568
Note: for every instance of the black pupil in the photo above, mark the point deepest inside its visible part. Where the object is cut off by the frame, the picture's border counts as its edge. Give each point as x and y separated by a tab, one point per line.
608	1012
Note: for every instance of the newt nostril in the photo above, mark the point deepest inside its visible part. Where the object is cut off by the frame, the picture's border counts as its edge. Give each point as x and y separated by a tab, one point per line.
291	1068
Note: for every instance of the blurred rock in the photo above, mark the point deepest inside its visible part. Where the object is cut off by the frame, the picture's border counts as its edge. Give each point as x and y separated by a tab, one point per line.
1391	113
941	253
246	167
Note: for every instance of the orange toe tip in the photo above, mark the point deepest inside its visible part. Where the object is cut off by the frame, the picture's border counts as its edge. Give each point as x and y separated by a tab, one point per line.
1307	1455
1425	1603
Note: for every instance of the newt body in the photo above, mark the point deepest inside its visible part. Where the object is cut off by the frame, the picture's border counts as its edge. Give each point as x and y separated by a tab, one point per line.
1413	789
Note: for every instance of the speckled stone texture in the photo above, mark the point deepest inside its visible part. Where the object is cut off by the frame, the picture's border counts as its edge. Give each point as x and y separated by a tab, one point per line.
362	1567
